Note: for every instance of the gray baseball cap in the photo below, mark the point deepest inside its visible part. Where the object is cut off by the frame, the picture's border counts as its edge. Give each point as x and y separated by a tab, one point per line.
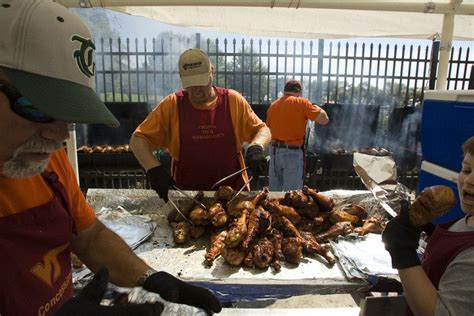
48	54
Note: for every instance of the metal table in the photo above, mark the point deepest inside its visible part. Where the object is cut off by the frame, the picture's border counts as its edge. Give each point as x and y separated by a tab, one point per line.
311	276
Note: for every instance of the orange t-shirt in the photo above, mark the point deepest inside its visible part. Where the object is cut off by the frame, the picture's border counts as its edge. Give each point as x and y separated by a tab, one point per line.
287	118
18	195
161	127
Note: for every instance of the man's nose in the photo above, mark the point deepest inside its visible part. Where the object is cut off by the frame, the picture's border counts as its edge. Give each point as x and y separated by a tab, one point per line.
57	130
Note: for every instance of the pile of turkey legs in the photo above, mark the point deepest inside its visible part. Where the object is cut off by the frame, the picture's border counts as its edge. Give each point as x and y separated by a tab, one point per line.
259	231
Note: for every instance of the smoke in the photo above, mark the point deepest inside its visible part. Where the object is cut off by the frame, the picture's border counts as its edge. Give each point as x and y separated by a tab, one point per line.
355	127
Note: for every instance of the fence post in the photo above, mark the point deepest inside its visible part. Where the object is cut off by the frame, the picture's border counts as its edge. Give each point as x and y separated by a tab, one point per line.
319	81
198	40
434	60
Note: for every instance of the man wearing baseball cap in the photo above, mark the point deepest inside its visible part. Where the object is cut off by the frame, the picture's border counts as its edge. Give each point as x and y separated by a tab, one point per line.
46	76
287	118
203	127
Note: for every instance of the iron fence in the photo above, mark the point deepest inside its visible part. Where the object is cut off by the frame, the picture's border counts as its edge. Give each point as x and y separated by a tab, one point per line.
387	76
375	74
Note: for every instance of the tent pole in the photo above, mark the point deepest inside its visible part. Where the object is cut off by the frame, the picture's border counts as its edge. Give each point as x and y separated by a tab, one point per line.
445	49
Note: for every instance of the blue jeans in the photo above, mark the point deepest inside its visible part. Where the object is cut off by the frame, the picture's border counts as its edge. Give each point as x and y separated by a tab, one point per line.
286	171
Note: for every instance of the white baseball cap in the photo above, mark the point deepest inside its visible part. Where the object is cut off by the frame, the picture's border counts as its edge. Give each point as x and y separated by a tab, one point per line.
47	53
194	68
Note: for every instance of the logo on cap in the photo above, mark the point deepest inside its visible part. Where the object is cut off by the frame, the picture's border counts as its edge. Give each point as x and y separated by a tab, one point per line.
85	55
192	65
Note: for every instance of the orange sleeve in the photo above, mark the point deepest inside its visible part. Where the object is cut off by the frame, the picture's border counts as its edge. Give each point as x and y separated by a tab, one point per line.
161	126
311	111
81	211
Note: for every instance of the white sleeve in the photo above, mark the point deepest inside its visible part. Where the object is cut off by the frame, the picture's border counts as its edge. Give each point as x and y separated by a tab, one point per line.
456	287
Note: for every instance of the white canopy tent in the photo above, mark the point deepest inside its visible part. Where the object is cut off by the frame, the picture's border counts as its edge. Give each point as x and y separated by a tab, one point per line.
447	19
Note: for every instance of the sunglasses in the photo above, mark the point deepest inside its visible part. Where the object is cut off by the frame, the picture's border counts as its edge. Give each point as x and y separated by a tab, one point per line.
23	107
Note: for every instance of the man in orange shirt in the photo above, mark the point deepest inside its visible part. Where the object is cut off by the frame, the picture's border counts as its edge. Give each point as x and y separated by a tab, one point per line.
46	79
287	118
203	127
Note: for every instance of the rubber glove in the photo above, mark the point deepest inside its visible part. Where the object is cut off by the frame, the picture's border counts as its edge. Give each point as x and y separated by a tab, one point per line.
256	161
87	302
160	181
401	240
177	291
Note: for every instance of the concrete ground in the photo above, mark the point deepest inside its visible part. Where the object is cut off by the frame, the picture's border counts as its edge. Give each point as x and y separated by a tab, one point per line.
303	301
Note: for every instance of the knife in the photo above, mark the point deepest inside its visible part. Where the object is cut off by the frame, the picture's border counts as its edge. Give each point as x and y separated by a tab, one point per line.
189	197
180	213
379	194
233	174
241	189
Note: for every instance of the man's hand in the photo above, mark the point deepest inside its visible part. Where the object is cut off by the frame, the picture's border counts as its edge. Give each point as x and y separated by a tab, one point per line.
87	302
177	291
160	181
256	160
401	240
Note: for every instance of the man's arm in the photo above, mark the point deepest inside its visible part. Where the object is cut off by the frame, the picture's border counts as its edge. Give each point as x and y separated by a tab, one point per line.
322	118
98	246
143	151
262	137
420	293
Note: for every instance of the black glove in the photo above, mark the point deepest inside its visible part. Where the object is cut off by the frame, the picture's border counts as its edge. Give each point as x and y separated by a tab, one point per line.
87	302
160	181
177	291
428	228
401	240
256	160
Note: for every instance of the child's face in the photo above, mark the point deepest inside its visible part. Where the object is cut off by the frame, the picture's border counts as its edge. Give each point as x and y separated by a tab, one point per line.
466	184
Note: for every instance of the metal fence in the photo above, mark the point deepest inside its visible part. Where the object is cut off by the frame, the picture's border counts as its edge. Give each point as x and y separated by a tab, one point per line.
383	75
374	74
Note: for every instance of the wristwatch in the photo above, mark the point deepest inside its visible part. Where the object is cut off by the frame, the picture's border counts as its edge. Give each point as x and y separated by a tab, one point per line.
145	276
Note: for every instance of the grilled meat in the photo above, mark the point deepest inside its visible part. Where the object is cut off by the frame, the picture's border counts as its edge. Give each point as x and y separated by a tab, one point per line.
283	210
292	249
224	194
312	246
260	254
217	246
338	229
295	198
197	231
325	203
233	256
199	216
259	221
217	215
237	231
180	232
371	225
338	215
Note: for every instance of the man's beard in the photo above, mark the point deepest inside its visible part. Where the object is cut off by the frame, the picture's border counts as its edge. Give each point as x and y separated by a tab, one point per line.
19	166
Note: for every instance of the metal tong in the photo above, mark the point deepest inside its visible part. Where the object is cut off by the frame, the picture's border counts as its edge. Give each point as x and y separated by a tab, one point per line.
240	190
233	174
179	211
189	196
379	193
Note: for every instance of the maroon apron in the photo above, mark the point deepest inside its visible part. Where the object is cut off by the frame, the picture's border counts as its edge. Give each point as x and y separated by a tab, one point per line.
443	246
35	276
207	145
